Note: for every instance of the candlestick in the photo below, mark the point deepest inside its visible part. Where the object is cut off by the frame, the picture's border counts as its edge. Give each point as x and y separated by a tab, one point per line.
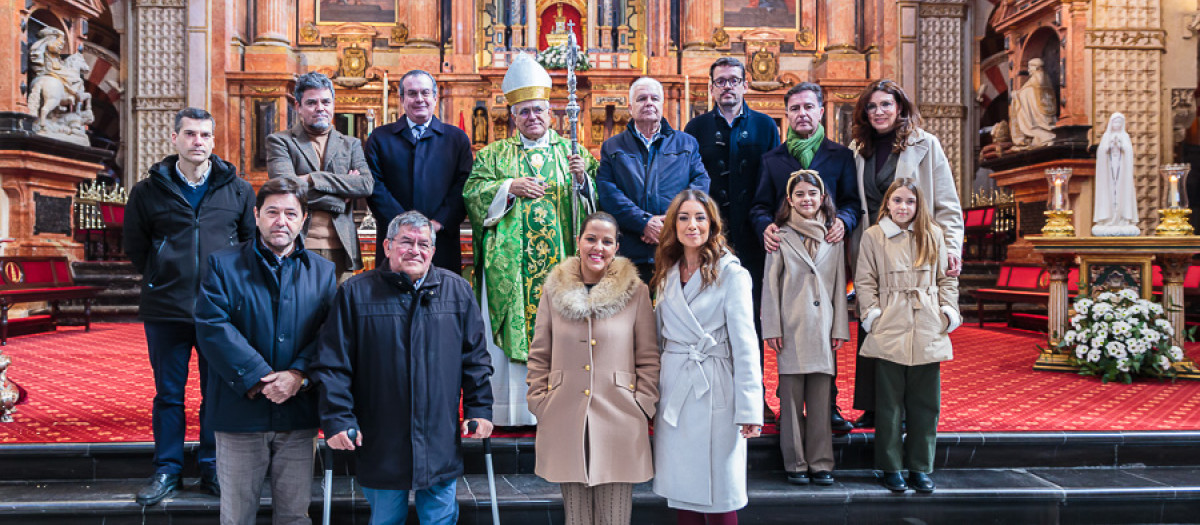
384	116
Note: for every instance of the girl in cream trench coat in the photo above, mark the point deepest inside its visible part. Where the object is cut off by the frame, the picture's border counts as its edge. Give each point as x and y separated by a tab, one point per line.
711	383
593	368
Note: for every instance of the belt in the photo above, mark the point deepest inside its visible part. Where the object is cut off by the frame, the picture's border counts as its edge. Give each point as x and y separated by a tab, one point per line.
692	370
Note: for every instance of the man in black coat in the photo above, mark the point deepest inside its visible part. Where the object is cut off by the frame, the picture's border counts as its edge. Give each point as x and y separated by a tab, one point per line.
420	164
257	316
806	148
191	204
733	139
402	344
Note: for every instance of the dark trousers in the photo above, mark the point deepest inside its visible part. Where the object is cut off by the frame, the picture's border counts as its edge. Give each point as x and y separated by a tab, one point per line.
912	393
170	345
864	376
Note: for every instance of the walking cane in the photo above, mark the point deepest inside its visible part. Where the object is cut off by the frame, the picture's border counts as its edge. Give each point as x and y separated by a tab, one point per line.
487	459
327	458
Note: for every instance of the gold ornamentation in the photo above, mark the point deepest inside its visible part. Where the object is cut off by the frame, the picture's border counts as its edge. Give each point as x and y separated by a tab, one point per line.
1125	39
1173	222
264	90
309	34
763	66
400	34
520	95
1058	223
720	37
805	36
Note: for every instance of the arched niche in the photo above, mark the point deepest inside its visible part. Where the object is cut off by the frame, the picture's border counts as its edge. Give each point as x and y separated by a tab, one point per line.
551	12
1045	44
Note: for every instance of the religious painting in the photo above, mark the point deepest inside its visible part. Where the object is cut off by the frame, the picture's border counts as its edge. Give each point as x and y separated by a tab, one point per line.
761	13
356	11
1113	273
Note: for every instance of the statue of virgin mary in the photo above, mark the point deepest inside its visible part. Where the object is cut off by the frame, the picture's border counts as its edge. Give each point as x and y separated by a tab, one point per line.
1115	211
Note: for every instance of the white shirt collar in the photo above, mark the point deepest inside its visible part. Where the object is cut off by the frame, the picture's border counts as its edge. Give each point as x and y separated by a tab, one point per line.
543	142
198	183
412	125
891	229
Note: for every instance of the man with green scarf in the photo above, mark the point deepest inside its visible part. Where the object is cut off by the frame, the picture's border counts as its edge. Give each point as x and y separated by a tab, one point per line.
807	148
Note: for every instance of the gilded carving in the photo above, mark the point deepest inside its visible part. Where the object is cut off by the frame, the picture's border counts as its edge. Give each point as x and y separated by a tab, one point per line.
805	37
720	37
764	67
352	67
309	34
400	34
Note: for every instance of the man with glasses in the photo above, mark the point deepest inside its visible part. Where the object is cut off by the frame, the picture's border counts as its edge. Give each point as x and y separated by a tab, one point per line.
403	344
420	163
523	221
331	165
806	147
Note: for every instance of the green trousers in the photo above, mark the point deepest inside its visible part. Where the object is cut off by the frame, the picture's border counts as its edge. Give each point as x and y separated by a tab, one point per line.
914	394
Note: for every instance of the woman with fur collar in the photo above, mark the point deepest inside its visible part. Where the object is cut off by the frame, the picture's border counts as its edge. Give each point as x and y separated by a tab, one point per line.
711	381
593	378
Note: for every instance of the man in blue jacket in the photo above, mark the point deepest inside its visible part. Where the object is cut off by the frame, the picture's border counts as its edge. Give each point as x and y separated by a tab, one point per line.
191	204
420	163
257	318
642	170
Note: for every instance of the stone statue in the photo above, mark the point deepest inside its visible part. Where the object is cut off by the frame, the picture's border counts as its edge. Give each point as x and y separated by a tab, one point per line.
1033	110
1115	207
57	97
1001	141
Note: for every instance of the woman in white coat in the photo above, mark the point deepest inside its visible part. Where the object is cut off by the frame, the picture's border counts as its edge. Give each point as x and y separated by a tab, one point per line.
710	381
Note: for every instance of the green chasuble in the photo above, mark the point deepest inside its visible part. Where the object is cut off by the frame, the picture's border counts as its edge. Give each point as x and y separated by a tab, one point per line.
514	255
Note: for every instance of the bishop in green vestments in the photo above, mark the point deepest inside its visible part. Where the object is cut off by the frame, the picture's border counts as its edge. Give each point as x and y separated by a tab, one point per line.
523	223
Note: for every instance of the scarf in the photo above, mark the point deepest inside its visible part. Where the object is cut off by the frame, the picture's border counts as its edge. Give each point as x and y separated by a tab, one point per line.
805	149
812	230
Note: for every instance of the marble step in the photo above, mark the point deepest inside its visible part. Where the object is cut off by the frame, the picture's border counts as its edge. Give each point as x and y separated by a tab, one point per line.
1046	495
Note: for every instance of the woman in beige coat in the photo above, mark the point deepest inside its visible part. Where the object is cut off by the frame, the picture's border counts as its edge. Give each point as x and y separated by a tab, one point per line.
908	305
593	378
804	320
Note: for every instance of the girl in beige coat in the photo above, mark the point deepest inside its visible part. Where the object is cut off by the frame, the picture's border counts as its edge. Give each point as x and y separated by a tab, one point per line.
908	306
804	320
593	378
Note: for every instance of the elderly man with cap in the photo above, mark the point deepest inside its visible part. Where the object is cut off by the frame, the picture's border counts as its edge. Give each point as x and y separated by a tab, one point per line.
519	199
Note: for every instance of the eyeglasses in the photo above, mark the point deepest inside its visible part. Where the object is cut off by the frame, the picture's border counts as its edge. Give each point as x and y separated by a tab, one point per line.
883	106
531	110
728	82
424	93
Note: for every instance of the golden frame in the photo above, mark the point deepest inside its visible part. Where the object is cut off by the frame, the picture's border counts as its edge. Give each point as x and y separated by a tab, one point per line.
1086	262
320	22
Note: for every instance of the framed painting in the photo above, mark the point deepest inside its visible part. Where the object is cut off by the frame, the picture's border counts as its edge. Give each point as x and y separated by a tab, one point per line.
744	14
370	12
1113	273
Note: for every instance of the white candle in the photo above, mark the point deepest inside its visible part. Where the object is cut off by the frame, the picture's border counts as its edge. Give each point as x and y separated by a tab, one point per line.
1058	200
1174	191
384	116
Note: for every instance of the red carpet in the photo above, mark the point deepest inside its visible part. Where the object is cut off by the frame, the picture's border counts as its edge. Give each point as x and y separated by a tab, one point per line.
97	387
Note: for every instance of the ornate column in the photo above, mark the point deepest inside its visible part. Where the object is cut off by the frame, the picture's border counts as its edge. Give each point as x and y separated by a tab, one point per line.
8	391
1058	266
271	22
840	18
1127	42
697	25
1174	269
159	81
423	25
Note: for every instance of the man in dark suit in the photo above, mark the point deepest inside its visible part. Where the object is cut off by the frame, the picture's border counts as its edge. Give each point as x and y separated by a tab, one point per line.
333	168
420	163
807	148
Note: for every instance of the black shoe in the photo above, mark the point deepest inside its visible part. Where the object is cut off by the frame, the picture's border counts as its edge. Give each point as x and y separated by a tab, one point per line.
823	478
208	483
160	486
839	423
894	482
866	420
921	482
798	478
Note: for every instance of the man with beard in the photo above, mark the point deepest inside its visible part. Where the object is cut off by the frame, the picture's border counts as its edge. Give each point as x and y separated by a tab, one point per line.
524	223
420	163
333	168
807	148
642	169
257	317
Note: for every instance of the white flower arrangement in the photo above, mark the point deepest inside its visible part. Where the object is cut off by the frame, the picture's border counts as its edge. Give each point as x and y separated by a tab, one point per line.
1118	336
555	57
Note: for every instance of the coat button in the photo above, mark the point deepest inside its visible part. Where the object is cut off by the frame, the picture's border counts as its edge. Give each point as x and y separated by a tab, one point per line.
587	392
816	303
587	367
281	339
593	342
631	386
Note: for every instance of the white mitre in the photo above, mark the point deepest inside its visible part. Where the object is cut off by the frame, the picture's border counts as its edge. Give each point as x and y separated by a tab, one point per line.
526	80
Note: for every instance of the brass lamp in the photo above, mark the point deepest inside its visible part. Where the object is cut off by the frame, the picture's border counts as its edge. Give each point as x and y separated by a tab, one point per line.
1058	206
1173	220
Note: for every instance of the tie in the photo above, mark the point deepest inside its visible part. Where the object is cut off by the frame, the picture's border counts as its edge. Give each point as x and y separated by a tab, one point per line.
418	130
